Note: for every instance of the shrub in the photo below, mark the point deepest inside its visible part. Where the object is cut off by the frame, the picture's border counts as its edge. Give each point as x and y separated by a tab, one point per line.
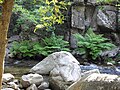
92	44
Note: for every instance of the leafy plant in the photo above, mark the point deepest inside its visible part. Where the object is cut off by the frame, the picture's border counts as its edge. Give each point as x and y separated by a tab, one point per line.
26	18
51	13
55	43
92	44
29	49
108	1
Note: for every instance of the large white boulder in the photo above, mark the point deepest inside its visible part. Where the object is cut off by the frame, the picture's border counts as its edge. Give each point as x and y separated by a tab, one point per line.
59	64
62	67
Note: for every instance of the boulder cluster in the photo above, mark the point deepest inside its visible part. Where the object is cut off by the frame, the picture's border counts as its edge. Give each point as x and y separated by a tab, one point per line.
61	71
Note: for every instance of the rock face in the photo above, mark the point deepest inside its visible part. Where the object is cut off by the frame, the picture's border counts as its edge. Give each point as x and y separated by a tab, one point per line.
104	20
61	66
78	17
97	81
85	14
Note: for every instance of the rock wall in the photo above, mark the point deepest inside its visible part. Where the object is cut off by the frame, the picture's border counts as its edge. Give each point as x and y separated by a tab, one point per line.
101	17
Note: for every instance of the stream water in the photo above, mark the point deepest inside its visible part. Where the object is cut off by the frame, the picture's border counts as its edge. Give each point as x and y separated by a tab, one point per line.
103	69
21	67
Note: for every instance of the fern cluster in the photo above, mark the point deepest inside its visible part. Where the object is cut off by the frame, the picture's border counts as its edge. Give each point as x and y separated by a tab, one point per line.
92	44
27	49
49	45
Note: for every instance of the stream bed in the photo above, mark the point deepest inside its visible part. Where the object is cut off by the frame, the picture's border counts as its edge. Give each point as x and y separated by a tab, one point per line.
21	67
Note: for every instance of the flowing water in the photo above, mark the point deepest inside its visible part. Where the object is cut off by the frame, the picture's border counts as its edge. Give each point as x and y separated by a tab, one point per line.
21	67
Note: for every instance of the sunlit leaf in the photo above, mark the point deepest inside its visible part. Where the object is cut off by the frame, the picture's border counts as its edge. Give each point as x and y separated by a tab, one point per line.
38	26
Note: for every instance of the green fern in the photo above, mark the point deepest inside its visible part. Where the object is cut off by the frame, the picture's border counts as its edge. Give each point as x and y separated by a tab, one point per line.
29	49
92	44
55	43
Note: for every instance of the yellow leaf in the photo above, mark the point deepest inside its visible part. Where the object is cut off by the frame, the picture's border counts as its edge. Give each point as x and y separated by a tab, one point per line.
47	2
38	26
57	9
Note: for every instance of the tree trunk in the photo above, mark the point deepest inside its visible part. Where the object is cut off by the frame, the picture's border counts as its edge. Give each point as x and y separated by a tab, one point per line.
7	6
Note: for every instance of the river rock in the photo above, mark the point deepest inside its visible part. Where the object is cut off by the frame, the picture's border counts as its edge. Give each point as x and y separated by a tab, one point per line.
7	89
59	64
97	81
32	87
44	85
16	81
13	85
7	77
62	67
29	79
87	73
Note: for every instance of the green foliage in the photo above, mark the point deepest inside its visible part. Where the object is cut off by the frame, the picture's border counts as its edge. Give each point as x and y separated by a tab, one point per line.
108	1
1	1
92	44
25	19
29	49
51	13
55	43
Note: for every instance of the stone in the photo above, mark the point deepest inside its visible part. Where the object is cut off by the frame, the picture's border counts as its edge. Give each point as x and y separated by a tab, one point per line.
91	16
13	38
92	1
79	1
87	73
59	64
29	79
62	67
44	85
32	87
58	84
13	85
7	77
78	17
103	21
110	53
73	42
16	81
97	81
7	89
